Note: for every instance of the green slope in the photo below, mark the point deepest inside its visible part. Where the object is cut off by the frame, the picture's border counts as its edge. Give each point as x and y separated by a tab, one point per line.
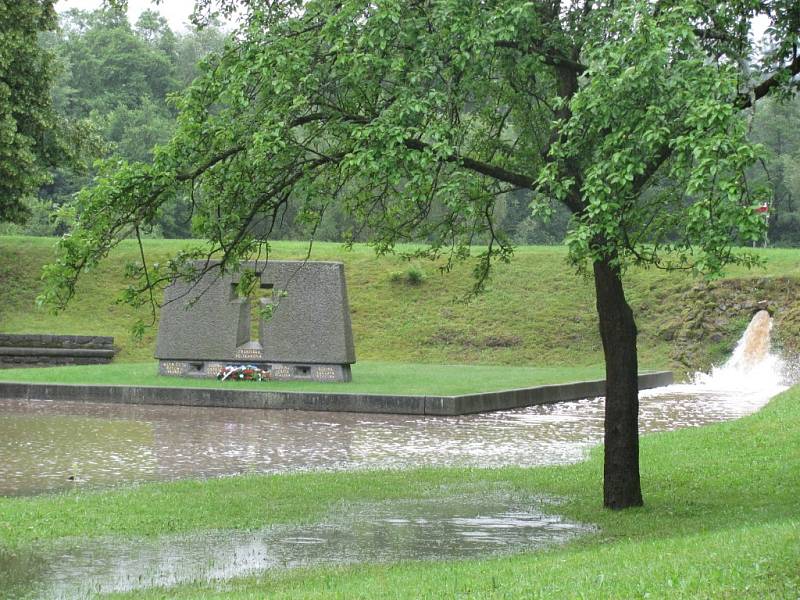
537	311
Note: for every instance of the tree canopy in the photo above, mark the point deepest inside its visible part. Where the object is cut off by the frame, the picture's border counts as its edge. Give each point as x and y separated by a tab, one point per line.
31	137
417	115
111	80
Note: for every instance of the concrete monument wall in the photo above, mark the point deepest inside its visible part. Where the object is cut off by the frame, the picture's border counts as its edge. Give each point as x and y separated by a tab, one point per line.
205	326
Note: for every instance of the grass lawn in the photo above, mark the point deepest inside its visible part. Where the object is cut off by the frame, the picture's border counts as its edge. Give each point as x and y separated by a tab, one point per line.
368	377
536	311
721	520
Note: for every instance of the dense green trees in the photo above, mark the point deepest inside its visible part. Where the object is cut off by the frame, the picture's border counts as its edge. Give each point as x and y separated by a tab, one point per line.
32	138
114	79
415	116
111	65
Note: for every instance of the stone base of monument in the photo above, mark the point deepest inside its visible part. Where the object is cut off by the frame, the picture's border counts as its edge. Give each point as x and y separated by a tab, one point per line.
277	371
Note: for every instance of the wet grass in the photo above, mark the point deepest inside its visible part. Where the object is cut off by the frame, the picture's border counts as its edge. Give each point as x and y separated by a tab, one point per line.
368	377
537	310
720	521
535	303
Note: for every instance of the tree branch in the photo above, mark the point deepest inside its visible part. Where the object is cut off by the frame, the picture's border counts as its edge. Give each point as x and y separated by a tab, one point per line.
499	173
744	100
762	89
549	57
189	175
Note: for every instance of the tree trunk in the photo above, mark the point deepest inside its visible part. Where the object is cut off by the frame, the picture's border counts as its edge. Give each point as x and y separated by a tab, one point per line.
621	485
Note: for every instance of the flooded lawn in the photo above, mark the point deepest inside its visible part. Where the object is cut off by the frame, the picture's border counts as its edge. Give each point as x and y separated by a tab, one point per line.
451	527
51	446
42	444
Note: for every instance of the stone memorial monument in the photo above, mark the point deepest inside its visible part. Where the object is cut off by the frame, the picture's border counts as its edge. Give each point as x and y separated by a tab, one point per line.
206	326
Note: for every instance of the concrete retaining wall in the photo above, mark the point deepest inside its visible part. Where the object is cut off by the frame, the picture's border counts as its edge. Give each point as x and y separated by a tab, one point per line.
367	403
42	350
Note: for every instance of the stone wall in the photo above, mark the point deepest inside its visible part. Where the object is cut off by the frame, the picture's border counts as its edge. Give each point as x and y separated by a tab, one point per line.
44	350
318	401
704	322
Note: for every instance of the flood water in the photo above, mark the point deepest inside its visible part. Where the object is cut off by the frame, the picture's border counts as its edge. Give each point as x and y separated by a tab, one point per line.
106	445
50	446
452	526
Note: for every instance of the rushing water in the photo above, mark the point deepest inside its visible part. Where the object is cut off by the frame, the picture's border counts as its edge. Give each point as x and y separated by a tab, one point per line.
47	446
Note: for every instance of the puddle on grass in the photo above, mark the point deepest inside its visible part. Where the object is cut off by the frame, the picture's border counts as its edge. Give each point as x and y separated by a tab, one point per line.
450	527
44	444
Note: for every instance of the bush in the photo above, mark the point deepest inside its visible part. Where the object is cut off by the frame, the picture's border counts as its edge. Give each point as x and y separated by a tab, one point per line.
413	275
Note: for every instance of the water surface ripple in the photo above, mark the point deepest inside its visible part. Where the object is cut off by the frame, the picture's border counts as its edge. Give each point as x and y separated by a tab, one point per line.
449	527
50	446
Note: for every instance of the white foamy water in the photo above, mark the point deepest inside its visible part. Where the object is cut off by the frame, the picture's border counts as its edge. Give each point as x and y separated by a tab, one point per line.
753	367
747	380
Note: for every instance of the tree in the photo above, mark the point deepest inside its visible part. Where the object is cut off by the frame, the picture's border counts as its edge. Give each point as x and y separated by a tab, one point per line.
154	29
117	78
111	65
195	46
29	135
415	115
775	125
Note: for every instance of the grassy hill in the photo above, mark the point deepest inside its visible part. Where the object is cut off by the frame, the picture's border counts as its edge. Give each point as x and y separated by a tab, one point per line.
537	311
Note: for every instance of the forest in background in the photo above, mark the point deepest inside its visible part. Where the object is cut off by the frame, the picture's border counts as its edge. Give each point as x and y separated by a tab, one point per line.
117	78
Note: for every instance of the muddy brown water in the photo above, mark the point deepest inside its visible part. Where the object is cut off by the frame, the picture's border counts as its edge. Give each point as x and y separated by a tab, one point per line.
50	446
42	444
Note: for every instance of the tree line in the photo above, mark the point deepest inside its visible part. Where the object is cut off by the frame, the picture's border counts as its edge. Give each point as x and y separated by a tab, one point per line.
114	79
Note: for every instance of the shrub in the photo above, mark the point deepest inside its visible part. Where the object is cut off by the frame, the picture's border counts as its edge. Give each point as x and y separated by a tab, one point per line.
413	275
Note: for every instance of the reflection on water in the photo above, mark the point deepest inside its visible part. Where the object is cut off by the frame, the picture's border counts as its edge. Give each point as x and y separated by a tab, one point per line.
449	527
42	450
43	444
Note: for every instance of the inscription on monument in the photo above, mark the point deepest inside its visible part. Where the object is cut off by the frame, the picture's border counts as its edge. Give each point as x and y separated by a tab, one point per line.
249	354
281	372
325	373
169	367
213	368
